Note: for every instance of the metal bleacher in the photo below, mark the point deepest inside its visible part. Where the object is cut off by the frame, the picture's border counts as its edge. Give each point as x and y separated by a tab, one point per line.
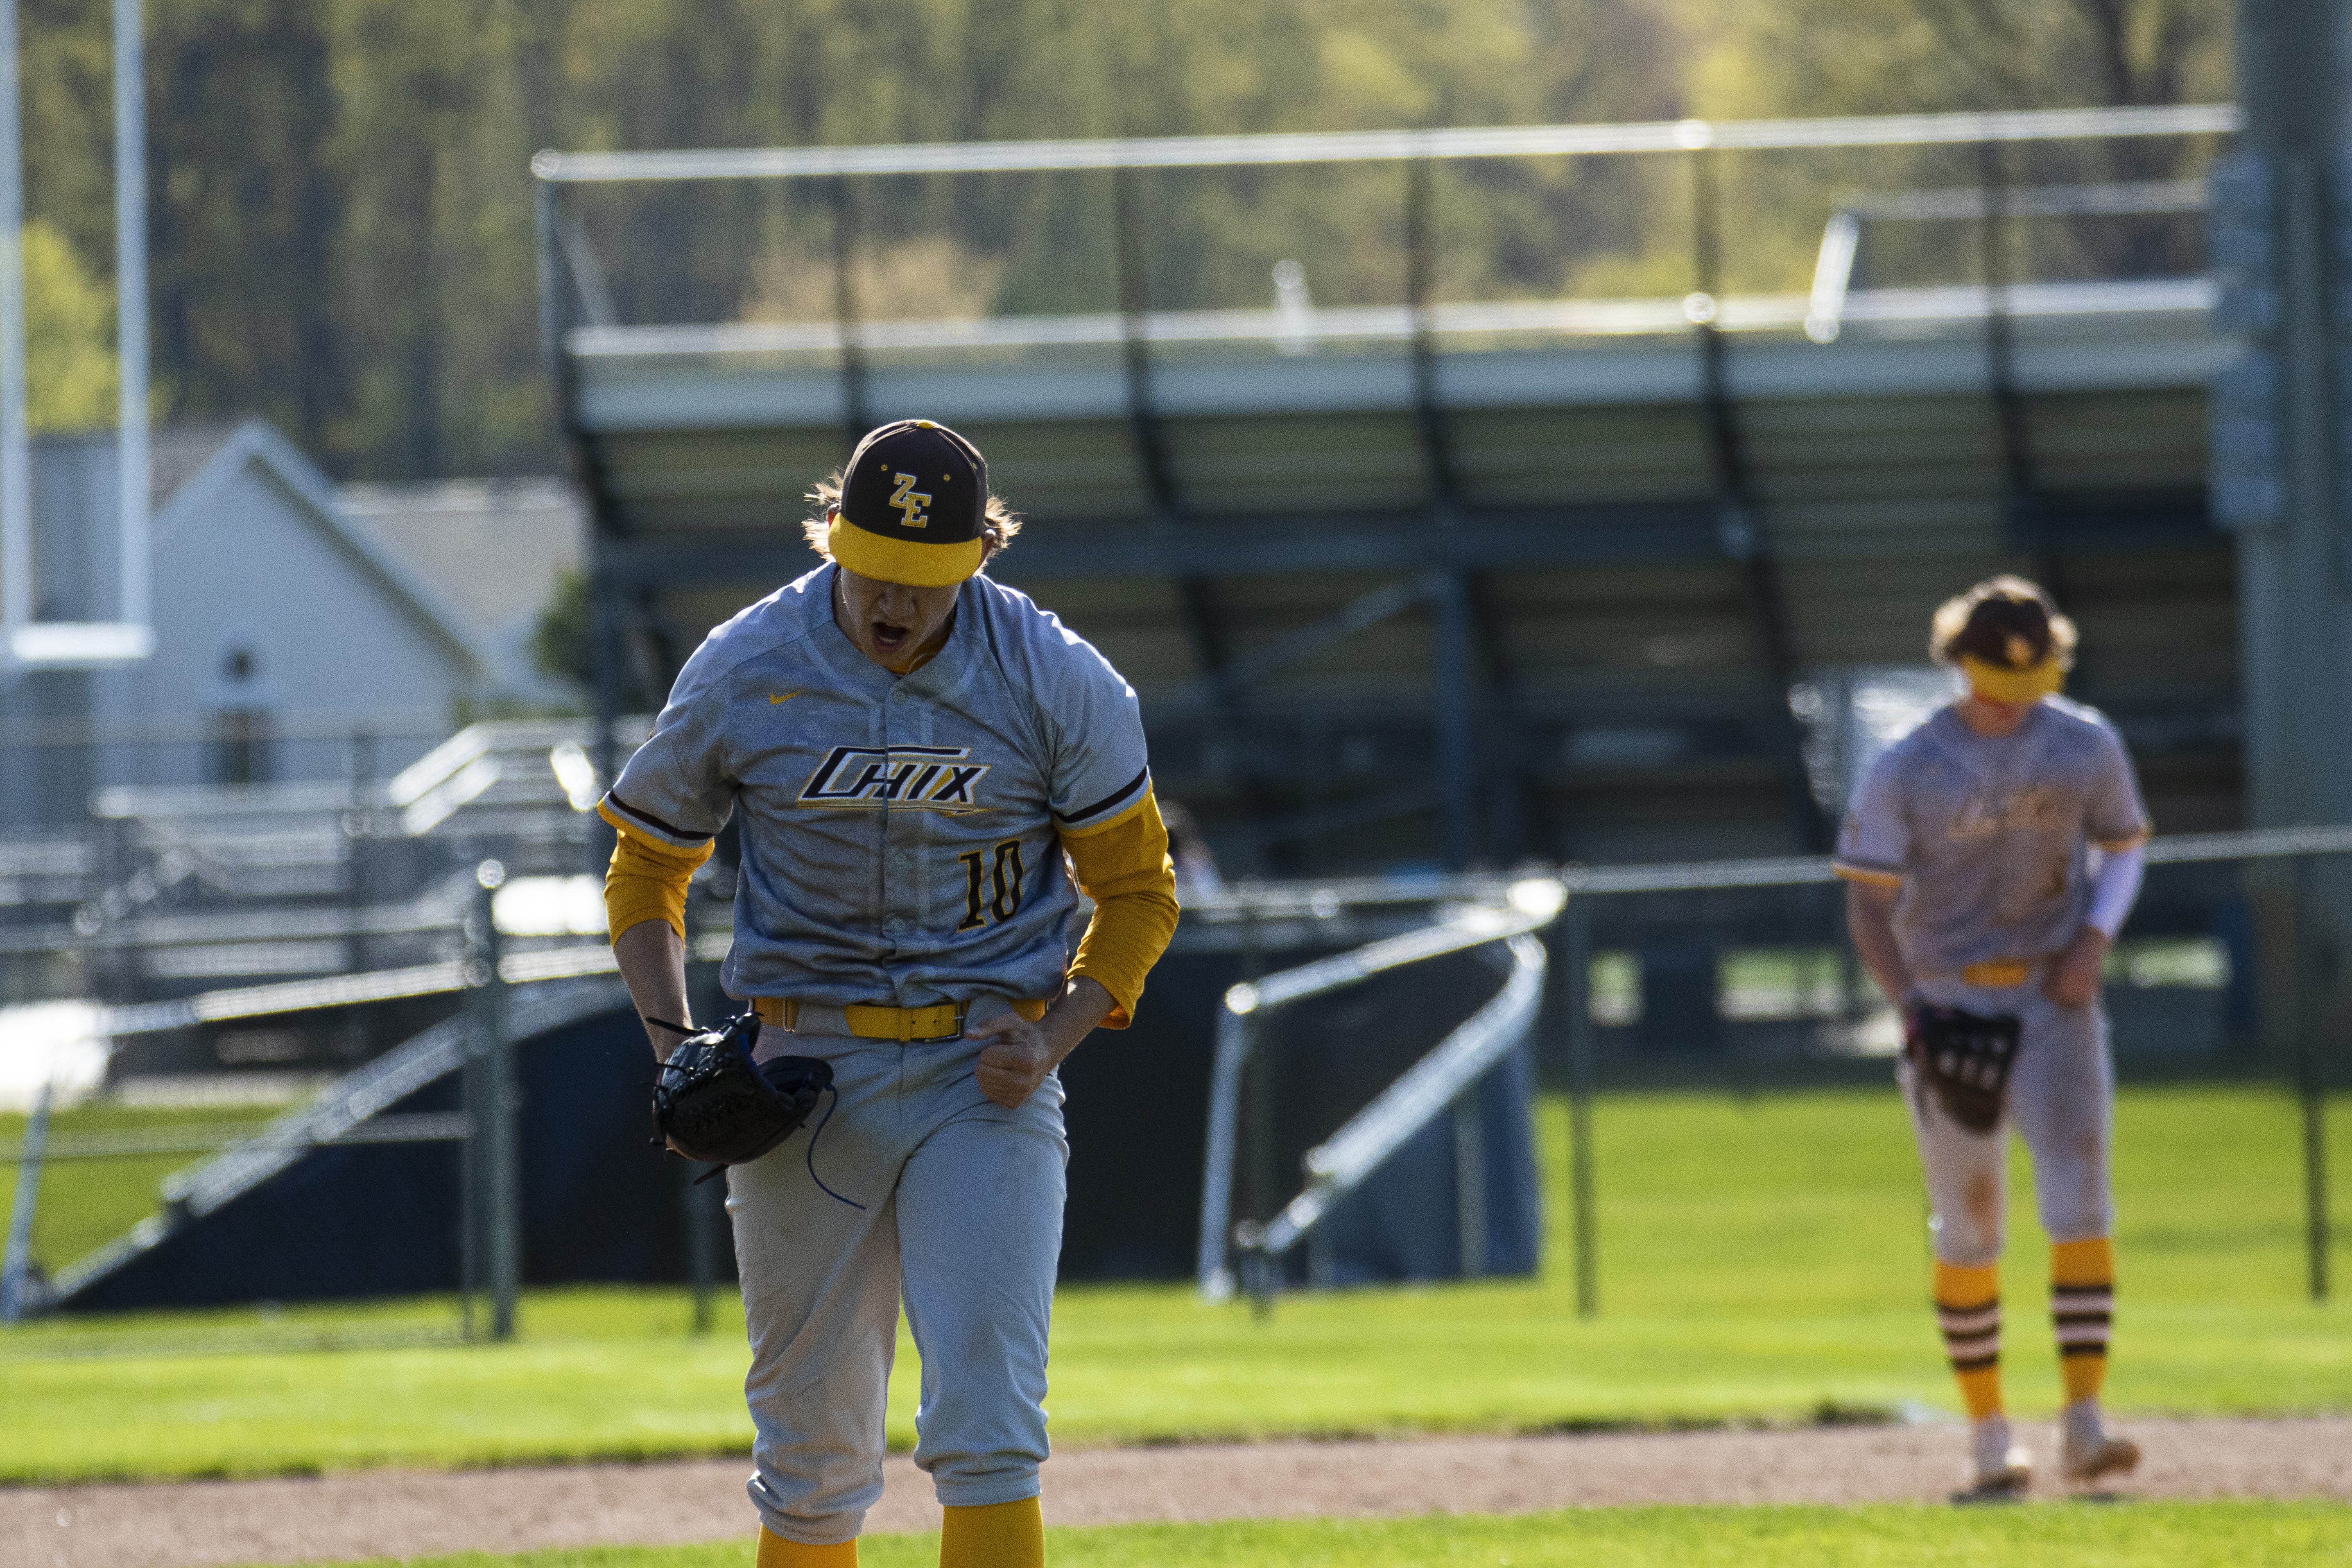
1470	580
182	891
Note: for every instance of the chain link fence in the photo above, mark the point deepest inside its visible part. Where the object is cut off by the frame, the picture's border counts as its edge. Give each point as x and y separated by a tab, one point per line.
1729	974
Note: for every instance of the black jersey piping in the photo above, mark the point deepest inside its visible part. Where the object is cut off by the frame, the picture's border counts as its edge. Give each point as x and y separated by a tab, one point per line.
1107	802
650	820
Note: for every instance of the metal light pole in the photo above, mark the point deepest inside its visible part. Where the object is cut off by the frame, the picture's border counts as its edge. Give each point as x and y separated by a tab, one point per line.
136	606
2280	448
128	636
16	598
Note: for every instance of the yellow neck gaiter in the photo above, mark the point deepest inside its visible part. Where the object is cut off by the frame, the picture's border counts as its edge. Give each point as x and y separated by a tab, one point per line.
1996	684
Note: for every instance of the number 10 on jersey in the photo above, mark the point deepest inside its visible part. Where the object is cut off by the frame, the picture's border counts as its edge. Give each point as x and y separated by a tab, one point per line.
1004	885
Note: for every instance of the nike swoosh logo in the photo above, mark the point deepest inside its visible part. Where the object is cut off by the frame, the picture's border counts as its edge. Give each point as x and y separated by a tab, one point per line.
787	697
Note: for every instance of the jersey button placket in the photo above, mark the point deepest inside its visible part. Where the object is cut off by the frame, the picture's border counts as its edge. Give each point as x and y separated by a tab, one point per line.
895	825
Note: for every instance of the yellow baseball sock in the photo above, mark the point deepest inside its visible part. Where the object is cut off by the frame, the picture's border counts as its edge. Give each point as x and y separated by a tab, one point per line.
1000	1535
775	1552
1968	1308
2082	1311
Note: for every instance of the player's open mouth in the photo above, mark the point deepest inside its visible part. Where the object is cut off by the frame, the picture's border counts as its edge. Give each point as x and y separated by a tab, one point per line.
887	637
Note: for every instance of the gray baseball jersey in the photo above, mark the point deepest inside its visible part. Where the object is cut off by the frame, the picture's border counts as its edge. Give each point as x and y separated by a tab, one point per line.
1988	837
899	832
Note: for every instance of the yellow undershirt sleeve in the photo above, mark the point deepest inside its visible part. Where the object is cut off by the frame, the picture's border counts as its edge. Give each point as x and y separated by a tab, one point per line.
1123	866
647	881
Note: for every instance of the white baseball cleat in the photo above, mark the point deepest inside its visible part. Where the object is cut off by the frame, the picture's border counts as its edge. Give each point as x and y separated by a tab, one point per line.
2086	1451
2005	1470
2004	1482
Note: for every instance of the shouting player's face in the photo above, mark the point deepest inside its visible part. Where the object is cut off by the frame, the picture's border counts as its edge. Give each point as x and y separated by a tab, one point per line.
889	621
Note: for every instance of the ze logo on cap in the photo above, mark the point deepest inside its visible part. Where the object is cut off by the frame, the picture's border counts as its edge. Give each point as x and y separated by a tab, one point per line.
910	502
924	778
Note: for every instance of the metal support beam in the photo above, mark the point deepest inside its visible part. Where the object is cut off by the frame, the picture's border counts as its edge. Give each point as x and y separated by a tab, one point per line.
1518	815
359	849
1577	992
559	304
593	293
1445	478
1470	1182
2027	524
1746	536
1457	725
494	1100
1456	693
1134	307
606	623
1196	595
2312	961
555	320
856	415
1197	600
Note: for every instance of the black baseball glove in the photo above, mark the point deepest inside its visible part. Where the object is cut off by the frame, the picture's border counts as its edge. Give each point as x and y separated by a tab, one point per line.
712	1103
1964	1060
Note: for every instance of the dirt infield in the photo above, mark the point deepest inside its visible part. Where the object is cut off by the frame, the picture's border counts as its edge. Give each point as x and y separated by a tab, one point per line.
399	1514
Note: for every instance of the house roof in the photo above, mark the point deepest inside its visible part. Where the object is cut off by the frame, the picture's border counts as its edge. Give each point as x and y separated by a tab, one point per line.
496	547
192	466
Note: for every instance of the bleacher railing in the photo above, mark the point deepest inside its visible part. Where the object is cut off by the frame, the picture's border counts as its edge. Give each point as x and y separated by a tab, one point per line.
595	332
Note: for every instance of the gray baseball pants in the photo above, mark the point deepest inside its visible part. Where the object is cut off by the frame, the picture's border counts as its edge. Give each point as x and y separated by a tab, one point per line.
962	1219
2061	1101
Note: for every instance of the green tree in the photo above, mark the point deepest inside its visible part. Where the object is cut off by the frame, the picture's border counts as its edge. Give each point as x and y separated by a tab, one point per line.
1881	57
341	212
72	376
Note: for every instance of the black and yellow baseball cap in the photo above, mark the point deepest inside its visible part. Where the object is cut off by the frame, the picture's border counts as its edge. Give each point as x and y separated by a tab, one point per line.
914	507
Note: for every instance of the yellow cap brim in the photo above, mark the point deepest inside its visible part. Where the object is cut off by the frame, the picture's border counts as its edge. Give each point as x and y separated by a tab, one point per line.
2016	685
888	560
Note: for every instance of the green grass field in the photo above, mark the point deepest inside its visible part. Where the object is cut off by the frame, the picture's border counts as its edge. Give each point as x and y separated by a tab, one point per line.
85	1203
1763	1259
2140	1535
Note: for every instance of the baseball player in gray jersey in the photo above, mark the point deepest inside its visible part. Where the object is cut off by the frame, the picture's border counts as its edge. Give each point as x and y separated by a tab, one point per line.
928	770
1990	857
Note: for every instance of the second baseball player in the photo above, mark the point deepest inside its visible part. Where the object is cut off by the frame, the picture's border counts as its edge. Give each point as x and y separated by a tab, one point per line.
1991	856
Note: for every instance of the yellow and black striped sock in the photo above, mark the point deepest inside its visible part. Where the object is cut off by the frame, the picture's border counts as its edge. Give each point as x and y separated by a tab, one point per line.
2082	1310
1968	1308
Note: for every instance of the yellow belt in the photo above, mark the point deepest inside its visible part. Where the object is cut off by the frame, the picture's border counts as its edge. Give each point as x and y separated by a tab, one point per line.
870	1021
1999	974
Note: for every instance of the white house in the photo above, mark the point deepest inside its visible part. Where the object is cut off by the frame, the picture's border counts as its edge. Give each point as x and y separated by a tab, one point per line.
290	638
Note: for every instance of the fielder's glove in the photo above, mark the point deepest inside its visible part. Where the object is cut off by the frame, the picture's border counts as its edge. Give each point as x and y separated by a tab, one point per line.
711	1103
1964	1060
